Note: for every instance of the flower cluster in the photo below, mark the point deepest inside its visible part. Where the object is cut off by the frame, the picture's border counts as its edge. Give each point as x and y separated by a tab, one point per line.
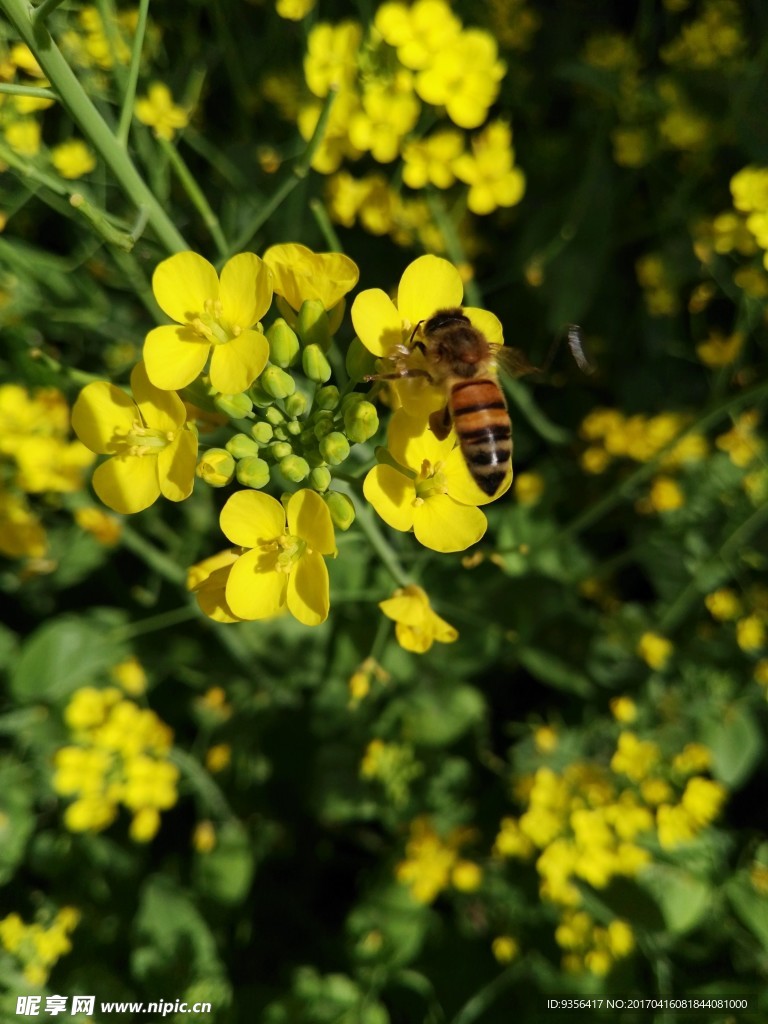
413	60
36	947
591	823
39	458
120	756
433	862
217	366
612	435
94	48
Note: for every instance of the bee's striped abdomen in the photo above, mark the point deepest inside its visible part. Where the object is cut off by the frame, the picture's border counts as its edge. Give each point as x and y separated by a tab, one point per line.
482	426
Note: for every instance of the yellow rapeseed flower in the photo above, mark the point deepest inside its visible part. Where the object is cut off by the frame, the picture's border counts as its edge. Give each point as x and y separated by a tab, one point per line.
300	275
489	170
215	316
505	949
635	758
283	566
152	450
430	491
73	159
417	626
718	351
623	709
158	110
655	650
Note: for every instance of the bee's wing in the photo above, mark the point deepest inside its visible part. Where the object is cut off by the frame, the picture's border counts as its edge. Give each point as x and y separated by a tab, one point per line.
512	361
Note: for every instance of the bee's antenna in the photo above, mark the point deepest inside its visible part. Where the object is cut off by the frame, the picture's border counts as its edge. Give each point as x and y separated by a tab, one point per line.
413	332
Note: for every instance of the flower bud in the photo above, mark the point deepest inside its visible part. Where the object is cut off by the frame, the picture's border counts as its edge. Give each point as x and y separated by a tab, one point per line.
315	365
281	433
294	468
280	450
320	478
361	421
294	428
341	508
237	407
241	446
252	472
216	467
327	398
262	432
274	416
323	424
277	382
334	448
296	405
360	362
312	325
260	397
283	343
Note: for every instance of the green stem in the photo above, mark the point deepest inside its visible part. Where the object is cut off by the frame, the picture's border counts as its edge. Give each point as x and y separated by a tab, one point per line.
28	90
46	7
381	546
299	173
210	794
478	1005
630	483
195	193
690	593
319	212
126	113
157	560
155	623
89	120
76	376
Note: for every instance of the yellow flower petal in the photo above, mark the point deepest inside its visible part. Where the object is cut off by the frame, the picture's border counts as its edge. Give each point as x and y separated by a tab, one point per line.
428	284
255	588
376	321
417	641
300	274
160	410
410	441
174	356
176	466
487	323
245	290
443	525
310	519
250	518
392	495
406	607
127	483
461	485
183	284
236	364
102	413
308	591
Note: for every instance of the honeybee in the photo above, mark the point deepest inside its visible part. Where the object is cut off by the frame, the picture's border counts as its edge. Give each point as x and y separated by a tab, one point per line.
462	362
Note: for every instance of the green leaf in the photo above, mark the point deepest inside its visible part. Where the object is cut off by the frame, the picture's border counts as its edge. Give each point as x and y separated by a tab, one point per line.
17	819
737	745
172	935
225	874
61	656
548	668
438	717
749	905
684	899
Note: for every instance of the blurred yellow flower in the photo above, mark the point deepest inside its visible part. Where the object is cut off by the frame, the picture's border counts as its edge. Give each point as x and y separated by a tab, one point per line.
158	111
73	159
655	650
417	626
489	170
718	351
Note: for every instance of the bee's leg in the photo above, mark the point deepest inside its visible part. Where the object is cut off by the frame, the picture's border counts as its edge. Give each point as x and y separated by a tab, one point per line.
398	375
440	423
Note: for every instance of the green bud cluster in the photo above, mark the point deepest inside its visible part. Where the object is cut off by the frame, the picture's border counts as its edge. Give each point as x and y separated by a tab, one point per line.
301	428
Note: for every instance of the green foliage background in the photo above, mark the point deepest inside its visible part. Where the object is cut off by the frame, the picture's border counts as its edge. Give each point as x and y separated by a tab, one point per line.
275	923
